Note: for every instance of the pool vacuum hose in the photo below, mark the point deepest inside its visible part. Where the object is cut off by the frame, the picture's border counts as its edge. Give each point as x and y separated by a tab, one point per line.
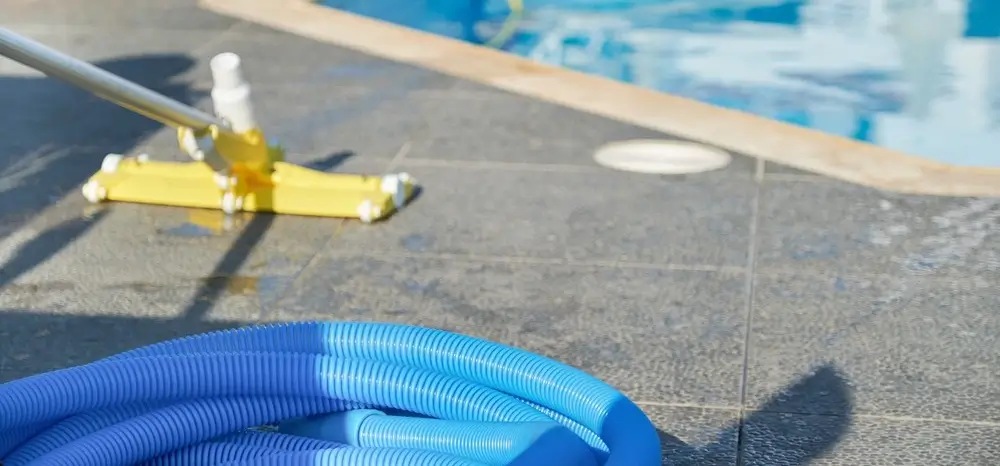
316	393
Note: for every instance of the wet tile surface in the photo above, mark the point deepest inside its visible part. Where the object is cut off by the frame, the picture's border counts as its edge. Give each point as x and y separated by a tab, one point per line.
871	333
657	335
75	241
841	228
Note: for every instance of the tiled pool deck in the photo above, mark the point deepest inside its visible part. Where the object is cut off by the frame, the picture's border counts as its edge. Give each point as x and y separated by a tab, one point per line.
760	314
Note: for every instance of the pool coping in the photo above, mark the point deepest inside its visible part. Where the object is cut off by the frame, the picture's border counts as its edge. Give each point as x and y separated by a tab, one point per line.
798	147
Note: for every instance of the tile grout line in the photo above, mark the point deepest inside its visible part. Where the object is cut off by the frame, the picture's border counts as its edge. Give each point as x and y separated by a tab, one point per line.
400	156
663	404
217	39
916	419
805	178
422	162
880	417
749	296
341	225
527	260
542	261
305	265
912	419
183	281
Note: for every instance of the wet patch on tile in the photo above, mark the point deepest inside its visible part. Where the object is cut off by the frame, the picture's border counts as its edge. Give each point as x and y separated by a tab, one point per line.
659	336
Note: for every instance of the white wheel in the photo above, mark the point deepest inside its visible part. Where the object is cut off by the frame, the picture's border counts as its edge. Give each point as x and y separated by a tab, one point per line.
396	185
94	192
231	204
142	158
367	211
110	163
223	180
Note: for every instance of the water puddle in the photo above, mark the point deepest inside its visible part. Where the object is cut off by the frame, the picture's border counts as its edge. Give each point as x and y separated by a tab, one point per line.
206	223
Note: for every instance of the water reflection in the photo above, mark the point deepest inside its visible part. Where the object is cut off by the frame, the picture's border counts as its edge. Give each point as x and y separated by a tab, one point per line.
919	76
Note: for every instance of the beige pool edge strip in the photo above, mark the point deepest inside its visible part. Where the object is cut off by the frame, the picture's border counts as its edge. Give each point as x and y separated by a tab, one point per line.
736	131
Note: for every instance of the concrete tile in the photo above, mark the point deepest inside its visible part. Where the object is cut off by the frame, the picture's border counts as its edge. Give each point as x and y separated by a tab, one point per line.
841	228
34	181
58	324
502	127
772	439
35	185
129	15
771	168
105	50
149	244
559	216
913	348
143	52
367	124
273	57
55	114
696	436
658	336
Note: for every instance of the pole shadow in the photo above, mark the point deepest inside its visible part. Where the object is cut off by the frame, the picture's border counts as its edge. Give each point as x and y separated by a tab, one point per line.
225	272
56	138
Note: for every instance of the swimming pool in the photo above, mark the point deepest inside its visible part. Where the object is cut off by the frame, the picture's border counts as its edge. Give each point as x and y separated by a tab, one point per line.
918	76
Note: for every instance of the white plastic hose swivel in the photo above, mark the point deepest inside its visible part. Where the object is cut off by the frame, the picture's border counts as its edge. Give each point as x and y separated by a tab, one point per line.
231	93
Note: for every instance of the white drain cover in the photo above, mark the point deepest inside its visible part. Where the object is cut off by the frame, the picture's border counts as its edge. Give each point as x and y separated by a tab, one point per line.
661	157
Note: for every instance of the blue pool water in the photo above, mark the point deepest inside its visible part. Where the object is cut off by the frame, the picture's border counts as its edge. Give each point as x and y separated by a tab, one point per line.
919	76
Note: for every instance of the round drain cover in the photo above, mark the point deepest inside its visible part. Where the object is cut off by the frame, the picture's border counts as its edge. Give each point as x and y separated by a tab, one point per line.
661	157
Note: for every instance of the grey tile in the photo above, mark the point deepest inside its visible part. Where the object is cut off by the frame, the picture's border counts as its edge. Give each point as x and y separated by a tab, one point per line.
33	181
75	243
796	440
125	16
142	46
840	228
154	57
53	114
502	127
272	57
368	124
696	436
54	325
658	336
916	348
40	180
771	168
341	146
605	216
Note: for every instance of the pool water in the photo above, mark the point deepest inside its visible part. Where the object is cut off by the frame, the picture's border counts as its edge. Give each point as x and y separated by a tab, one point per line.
918	76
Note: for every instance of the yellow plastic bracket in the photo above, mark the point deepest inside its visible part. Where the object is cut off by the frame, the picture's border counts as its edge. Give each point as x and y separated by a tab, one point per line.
259	180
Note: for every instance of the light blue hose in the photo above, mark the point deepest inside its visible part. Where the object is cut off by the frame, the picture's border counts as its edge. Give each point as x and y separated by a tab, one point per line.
358	394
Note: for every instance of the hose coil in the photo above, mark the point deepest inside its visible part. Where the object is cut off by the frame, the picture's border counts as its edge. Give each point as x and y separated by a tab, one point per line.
349	394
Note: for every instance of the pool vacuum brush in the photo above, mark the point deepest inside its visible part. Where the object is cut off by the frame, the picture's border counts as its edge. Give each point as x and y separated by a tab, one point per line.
235	169
350	394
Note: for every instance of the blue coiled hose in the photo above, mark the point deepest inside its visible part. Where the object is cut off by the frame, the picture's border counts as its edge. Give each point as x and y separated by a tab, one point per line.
359	394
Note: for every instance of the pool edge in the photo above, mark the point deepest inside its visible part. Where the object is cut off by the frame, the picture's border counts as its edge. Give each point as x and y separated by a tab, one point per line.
740	132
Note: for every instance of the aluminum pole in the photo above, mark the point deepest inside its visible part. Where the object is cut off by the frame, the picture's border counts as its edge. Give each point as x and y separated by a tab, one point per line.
103	84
